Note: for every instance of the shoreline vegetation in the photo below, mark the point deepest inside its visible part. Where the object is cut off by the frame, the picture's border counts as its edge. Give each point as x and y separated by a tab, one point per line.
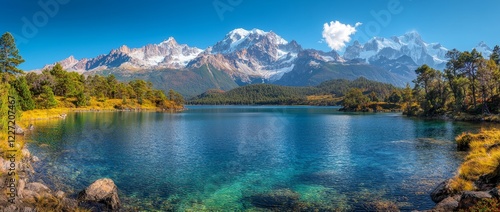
476	185
467	90
51	94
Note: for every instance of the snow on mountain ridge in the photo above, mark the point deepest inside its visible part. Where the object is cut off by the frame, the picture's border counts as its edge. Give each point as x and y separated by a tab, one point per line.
409	44
255	54
167	54
238	39
484	49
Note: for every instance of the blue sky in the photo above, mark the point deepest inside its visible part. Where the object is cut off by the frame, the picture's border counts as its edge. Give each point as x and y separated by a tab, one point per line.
87	28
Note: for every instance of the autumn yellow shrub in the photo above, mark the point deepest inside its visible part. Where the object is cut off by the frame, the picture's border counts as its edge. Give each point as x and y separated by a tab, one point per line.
483	157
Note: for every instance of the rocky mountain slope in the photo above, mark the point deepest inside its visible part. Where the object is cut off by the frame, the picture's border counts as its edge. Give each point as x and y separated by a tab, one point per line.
409	45
167	54
255	56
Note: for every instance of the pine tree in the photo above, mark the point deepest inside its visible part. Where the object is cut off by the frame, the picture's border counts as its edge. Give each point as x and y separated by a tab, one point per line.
82	99
496	54
354	99
395	97
408	99
9	55
48	98
471	62
25	97
171	94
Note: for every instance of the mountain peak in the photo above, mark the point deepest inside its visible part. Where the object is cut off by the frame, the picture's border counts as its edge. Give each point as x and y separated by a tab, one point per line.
485	50
240	38
413	34
170	40
411	37
240	34
410	44
244	32
482	44
71	57
71	60
124	49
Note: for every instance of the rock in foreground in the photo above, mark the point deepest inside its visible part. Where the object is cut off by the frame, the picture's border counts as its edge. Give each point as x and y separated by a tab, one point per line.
102	191
442	191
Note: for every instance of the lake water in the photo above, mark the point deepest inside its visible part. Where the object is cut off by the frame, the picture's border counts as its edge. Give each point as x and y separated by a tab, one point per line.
237	157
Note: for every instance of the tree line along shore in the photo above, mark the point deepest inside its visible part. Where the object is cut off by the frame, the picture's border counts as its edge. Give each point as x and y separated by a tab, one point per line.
468	89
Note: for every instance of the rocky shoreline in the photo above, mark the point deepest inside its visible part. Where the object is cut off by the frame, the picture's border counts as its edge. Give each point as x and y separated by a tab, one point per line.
476	187
447	200
102	195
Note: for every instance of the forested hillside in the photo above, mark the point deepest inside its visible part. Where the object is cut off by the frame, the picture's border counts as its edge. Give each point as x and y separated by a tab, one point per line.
327	93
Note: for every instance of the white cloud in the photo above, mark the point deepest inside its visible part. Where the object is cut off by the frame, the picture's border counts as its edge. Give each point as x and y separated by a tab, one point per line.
337	34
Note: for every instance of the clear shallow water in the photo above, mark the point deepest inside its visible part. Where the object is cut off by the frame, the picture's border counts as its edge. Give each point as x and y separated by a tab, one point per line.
222	157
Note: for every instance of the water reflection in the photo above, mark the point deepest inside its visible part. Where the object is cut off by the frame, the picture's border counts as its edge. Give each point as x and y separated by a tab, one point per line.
216	157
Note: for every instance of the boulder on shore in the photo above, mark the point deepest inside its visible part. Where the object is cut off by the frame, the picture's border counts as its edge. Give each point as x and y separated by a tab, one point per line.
442	191
470	198
102	191
448	204
18	130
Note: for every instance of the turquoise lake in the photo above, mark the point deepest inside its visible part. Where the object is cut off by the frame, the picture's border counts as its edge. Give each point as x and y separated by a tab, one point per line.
231	158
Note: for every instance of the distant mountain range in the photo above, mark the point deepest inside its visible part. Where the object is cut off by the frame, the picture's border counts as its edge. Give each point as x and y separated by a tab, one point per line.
409	45
255	56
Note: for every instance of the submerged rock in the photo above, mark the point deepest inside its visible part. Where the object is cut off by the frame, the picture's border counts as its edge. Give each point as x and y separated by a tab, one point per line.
387	206
102	191
283	199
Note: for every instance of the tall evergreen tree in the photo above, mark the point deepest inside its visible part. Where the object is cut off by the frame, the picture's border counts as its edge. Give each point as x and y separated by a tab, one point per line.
471	62
407	96
9	55
25	97
495	56
82	99
456	78
47	97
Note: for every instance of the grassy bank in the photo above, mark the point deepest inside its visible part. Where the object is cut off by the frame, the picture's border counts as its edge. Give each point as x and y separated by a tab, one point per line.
65	105
483	158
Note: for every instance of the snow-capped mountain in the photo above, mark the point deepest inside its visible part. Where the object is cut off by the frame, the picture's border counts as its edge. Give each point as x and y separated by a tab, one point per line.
245	55
167	54
249	55
484	49
409	44
256	56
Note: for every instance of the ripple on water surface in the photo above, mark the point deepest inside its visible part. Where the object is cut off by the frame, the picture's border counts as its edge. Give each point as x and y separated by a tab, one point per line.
251	158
